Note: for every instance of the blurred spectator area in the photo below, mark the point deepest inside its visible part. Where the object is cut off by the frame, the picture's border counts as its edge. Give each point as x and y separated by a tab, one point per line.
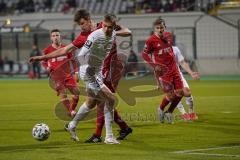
111	6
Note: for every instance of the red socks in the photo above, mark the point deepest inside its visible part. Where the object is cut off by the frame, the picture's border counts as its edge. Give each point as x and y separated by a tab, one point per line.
66	103
100	120
164	103
119	120
75	99
174	103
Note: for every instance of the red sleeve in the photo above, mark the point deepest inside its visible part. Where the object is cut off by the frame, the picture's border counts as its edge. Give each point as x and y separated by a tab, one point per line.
167	38
99	25
79	41
148	48
44	62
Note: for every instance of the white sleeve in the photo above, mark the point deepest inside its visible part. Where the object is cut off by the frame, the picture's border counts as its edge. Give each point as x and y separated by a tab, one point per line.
178	54
88	44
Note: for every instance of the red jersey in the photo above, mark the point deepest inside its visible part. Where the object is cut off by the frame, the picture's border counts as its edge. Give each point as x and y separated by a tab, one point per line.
82	37
54	63
161	51
163	56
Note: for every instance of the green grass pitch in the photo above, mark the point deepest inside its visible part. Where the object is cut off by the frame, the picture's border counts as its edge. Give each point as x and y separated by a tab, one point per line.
216	135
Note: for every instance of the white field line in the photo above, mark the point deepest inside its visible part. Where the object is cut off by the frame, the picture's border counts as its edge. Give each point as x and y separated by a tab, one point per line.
195	151
217	155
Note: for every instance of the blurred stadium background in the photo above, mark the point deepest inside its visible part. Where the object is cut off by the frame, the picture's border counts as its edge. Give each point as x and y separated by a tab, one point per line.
206	31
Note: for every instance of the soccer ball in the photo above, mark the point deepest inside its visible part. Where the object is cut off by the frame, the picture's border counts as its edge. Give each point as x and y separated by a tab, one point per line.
41	132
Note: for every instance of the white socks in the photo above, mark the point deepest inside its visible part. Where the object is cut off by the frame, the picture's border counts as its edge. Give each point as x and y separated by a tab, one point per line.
82	112
181	108
189	102
108	114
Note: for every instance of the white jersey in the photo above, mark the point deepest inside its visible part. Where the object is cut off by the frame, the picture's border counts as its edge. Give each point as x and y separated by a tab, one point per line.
92	55
178	55
179	58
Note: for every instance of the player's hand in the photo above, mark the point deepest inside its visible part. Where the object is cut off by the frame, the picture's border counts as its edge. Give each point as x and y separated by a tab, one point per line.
35	59
195	75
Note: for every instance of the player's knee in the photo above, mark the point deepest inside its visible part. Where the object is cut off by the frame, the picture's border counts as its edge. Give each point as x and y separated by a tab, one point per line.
90	104
170	96
77	91
187	92
179	92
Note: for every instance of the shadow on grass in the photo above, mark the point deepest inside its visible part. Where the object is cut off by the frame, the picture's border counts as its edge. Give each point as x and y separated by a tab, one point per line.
43	146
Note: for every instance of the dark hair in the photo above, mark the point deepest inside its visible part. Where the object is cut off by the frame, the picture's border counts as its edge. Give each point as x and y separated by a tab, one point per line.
158	21
81	13
54	30
110	18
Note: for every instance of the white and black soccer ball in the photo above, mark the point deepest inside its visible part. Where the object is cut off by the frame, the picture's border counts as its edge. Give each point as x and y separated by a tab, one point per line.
41	132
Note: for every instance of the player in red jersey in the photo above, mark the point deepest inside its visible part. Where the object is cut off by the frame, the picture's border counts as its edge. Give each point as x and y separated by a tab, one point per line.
162	59
60	73
82	18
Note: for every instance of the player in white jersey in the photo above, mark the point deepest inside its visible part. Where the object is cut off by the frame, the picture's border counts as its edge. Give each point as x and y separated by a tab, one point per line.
91	57
189	100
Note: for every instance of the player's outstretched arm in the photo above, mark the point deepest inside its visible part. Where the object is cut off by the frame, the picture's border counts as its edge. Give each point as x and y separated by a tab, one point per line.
123	31
60	52
185	66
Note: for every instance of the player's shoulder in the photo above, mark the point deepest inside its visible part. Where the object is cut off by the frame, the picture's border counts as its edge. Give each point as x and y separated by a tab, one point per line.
48	49
98	32
167	33
83	35
151	39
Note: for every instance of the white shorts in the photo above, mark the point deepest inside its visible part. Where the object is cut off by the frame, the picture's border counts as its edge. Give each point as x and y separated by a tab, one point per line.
185	84
93	81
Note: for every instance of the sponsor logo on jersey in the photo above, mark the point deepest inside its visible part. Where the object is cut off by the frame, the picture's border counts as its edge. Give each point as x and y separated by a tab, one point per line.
88	44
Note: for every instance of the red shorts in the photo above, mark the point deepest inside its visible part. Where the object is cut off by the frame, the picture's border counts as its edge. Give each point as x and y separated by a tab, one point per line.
170	81
113	75
70	82
62	82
